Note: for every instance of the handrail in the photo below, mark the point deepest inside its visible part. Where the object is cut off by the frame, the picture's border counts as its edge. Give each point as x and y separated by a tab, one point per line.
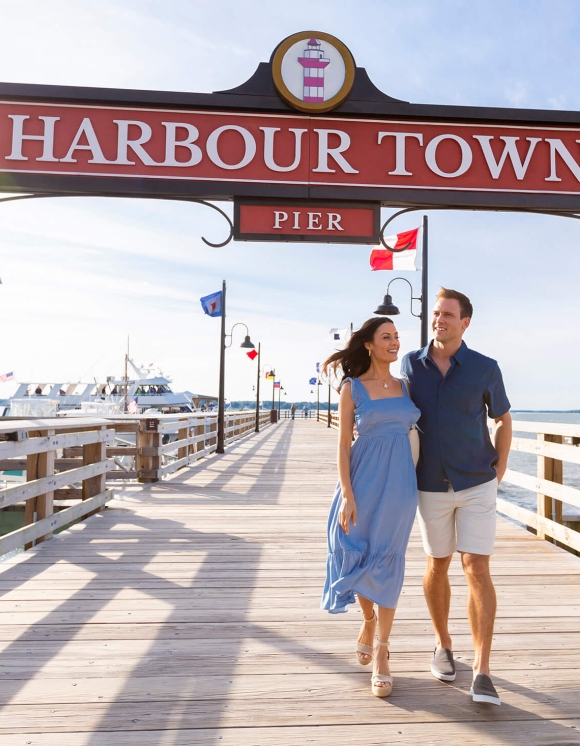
555	443
59	453
37	443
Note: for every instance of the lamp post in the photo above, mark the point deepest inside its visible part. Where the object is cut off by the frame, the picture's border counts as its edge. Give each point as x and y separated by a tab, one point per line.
388	308
269	367
257	428
247	344
318	385
329	390
279	393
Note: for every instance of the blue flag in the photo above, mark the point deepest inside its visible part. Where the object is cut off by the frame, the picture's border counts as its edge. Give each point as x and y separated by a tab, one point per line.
318	367
212	304
312	381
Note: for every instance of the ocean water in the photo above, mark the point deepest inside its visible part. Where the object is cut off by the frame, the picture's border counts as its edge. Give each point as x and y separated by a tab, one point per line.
527	462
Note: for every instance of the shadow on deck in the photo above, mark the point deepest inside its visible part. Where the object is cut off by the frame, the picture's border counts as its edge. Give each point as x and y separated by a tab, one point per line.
187	613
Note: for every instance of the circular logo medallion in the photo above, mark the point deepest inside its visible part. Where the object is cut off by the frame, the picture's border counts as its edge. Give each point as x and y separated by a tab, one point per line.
313	71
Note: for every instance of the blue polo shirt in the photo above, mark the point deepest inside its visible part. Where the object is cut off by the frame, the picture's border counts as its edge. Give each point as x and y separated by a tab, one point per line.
455	443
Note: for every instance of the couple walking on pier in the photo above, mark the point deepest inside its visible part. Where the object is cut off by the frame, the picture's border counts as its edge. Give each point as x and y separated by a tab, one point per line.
449	391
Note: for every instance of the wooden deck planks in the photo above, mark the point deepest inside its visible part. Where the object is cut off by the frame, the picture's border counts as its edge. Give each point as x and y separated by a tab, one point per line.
188	613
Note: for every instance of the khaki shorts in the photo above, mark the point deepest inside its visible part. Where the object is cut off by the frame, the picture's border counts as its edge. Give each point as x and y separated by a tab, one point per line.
461	521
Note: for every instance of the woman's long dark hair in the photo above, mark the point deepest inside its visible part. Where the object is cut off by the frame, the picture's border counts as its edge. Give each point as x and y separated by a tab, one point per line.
355	360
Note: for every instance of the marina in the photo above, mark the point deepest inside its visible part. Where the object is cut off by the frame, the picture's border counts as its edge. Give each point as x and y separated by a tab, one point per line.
188	612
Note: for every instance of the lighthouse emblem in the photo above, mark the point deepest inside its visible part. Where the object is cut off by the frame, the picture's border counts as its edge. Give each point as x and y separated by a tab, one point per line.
313	71
314	63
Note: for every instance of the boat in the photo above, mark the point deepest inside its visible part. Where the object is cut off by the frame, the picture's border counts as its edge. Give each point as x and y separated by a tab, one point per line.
145	390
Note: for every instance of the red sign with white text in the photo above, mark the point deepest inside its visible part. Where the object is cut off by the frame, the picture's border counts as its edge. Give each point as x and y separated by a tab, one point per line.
237	148
311	222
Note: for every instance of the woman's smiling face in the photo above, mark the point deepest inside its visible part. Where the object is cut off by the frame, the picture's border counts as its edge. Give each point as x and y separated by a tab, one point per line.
385	345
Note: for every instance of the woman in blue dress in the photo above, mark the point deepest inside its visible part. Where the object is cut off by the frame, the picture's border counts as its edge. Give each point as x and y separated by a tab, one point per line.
376	497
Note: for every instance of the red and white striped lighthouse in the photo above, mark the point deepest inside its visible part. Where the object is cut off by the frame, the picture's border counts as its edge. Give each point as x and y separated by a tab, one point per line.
313	63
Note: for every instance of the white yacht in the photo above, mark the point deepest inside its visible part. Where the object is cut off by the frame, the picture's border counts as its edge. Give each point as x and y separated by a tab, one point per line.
144	389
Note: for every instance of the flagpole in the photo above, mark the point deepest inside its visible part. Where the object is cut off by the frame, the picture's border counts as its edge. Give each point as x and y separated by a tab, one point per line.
221	392
425	283
258	393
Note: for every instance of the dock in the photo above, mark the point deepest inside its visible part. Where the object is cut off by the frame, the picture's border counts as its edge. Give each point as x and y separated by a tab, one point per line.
187	613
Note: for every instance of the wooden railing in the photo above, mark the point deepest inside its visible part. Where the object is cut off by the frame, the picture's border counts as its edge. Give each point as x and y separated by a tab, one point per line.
196	438
35	445
322	416
72	458
554	445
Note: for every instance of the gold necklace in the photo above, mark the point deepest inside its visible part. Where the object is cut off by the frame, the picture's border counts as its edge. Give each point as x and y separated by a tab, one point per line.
385	385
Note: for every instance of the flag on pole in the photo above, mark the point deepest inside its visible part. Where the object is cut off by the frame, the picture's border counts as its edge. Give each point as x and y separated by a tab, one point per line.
133	408
312	382
276	384
337	335
6	377
270	375
252	354
403	257
212	304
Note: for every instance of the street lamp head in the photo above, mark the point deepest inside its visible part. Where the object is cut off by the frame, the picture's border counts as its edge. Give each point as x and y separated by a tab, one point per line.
387	307
247	344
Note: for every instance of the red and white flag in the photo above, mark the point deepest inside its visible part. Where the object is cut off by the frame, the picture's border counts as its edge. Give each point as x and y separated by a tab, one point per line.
404	254
5	377
133	407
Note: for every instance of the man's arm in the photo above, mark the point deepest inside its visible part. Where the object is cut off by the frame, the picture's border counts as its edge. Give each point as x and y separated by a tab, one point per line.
503	441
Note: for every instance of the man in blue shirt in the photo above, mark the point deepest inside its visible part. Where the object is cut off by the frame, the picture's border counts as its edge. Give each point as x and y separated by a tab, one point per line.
458	472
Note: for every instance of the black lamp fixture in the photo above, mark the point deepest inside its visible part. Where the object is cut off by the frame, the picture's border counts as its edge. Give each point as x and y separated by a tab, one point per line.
247	344
388	308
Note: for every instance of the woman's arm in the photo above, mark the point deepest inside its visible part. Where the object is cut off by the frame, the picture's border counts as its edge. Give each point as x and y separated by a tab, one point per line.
346	412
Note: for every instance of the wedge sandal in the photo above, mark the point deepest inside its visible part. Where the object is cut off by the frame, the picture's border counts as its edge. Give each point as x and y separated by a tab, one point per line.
379	678
365	649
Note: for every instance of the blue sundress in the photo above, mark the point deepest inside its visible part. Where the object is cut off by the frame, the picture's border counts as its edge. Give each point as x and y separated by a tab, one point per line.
370	559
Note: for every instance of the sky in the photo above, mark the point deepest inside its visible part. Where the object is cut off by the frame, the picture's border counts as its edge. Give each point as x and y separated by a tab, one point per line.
81	275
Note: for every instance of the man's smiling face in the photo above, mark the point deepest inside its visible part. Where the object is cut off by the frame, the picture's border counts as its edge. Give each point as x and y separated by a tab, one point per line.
446	323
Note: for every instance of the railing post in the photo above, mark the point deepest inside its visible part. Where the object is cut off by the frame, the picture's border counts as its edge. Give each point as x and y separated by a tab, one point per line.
148	461
183	434
45	503
92	454
552	470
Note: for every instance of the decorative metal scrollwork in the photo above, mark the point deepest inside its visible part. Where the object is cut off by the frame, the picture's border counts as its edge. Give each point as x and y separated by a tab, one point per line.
197	201
424	208
225	215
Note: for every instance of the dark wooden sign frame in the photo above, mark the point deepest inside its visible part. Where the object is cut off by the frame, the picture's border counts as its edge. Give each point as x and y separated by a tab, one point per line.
490	133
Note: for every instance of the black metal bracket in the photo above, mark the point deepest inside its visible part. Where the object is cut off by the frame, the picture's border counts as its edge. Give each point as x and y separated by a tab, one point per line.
425	208
197	201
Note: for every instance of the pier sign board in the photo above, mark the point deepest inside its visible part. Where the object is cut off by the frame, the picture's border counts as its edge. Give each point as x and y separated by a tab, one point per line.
315	222
308	126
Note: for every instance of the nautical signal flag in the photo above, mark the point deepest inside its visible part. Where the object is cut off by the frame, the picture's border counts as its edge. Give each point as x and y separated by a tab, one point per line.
312	382
270	375
212	304
336	335
252	354
403	256
276	384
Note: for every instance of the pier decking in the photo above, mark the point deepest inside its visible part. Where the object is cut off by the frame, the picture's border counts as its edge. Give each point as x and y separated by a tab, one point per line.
188	614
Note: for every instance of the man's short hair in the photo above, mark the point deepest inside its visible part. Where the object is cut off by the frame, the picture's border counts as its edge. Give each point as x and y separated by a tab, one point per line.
465	307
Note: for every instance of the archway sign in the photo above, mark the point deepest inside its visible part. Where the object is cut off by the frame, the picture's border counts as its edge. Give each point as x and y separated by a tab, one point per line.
308	148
